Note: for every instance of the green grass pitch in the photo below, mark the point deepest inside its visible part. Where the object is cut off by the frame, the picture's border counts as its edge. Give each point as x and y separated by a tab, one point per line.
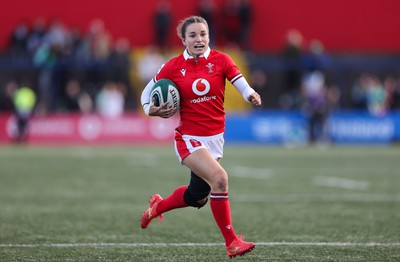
297	204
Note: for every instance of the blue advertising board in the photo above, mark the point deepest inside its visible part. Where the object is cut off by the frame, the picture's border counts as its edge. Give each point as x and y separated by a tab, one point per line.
272	127
281	127
361	127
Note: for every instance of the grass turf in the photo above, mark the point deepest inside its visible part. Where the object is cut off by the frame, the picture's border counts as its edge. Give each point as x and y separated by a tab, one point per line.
300	204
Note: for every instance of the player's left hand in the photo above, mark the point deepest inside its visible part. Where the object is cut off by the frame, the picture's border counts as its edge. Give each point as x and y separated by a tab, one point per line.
255	99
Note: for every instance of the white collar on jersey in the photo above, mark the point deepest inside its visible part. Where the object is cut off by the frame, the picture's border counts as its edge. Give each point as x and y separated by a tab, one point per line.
186	54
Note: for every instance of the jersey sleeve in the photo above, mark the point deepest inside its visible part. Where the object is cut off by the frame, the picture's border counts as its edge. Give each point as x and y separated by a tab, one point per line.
232	71
243	88
162	72
236	78
145	96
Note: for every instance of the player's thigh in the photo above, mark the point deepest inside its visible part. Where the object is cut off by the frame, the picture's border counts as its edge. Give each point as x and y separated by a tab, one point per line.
202	163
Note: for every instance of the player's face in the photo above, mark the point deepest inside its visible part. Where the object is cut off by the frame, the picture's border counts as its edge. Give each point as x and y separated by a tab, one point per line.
196	39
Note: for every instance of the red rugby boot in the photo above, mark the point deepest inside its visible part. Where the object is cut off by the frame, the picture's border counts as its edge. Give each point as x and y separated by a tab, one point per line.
151	212
238	247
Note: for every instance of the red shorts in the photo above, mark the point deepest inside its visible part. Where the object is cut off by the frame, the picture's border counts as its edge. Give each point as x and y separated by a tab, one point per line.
187	144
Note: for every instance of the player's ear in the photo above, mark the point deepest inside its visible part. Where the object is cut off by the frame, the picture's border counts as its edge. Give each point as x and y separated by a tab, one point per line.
183	41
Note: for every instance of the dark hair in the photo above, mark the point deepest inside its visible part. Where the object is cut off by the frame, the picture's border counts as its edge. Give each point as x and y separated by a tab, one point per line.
184	23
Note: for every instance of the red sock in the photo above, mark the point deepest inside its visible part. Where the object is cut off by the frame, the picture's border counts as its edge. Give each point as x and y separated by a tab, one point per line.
222	214
175	200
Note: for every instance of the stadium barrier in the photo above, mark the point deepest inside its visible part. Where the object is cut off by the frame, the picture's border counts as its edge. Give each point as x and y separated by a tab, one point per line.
291	128
91	129
261	127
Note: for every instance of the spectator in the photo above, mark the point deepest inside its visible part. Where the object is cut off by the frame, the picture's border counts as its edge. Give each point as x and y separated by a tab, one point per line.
236	16
245	14
207	10
369	94
316	59
101	42
376	97
97	46
76	43
110	100
358	97
162	23
150	63
121	63
292	57
24	103
6	96
45	58
97	42
231	18
258	80
318	99
37	35
333	98
76	99
315	104
19	39
392	89
48	58
58	35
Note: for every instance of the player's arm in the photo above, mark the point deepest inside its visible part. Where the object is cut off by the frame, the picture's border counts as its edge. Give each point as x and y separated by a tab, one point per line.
240	83
145	97
248	93
151	110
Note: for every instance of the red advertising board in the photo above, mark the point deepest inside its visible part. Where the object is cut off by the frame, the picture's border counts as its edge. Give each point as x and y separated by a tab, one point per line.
93	128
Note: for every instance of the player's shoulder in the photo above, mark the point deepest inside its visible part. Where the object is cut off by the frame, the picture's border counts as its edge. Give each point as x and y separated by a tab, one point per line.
221	58
169	68
172	63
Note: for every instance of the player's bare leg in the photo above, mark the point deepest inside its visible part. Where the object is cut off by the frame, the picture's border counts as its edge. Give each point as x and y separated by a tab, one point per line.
205	166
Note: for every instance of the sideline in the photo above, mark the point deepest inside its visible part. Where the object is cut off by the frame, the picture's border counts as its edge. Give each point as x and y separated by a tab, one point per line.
329	244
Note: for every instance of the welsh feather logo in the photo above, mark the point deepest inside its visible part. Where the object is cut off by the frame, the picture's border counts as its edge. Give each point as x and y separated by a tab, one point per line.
210	68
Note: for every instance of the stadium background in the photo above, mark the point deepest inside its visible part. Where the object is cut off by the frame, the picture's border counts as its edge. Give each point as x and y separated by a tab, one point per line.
360	37
355	26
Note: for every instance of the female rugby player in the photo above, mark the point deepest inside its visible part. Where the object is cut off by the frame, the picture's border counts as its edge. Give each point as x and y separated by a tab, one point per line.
200	74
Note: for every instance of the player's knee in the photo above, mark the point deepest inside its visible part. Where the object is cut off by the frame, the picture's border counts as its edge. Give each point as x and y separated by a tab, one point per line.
220	182
196	199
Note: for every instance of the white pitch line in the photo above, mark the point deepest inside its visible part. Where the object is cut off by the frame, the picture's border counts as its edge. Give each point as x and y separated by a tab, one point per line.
344	197
329	244
339	182
250	172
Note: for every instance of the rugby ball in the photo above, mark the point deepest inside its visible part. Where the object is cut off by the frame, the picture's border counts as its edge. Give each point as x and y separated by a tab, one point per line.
164	90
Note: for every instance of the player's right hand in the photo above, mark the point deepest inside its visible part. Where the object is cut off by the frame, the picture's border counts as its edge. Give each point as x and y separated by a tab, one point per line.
161	111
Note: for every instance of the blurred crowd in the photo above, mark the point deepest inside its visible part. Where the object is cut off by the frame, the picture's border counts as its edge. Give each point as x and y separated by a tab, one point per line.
307	84
70	70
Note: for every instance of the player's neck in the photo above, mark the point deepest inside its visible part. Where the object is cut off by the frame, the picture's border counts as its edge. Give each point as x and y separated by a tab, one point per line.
195	57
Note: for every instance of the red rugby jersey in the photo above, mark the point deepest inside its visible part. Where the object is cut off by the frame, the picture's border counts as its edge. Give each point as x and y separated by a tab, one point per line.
201	86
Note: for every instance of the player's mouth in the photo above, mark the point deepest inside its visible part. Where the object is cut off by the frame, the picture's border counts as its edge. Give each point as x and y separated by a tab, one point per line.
199	47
